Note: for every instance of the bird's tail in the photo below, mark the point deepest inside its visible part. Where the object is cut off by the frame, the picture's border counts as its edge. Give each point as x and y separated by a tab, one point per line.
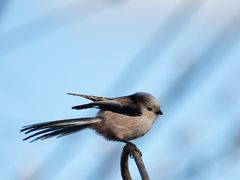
57	128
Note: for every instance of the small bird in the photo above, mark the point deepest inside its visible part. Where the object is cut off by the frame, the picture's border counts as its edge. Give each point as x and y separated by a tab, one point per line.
119	119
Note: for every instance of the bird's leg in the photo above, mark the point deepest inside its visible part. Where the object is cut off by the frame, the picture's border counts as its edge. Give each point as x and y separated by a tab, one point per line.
132	146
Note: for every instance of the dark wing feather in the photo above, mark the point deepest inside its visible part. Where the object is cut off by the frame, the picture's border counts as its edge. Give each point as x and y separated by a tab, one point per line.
104	105
127	107
90	97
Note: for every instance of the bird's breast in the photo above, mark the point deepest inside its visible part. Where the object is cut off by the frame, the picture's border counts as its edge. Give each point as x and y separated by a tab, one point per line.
125	127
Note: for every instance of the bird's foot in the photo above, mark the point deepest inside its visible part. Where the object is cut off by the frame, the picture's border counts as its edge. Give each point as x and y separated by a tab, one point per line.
130	147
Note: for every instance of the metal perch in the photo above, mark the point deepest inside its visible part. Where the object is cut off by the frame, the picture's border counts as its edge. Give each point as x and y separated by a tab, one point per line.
132	150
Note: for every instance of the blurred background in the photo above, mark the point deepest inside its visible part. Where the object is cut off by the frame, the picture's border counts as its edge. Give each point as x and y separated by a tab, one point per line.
184	52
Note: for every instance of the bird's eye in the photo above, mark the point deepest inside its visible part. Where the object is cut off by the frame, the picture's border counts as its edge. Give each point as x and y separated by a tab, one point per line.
150	109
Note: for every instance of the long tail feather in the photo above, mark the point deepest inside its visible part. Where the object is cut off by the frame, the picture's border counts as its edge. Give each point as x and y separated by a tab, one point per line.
57	128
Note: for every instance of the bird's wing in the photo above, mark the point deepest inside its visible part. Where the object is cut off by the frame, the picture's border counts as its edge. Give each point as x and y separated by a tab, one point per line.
90	97
104	105
123	107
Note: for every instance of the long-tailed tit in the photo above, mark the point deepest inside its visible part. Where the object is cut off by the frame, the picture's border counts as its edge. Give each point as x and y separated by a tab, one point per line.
119	119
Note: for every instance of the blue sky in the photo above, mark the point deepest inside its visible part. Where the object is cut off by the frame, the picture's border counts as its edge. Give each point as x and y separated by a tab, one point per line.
185	53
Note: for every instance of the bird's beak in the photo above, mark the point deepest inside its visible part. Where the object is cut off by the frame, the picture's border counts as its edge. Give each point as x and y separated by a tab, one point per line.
159	112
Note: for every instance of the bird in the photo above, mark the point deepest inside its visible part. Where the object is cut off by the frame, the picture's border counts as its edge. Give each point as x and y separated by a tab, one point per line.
120	119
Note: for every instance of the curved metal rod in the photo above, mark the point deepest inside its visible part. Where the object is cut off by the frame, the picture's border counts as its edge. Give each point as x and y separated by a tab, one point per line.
132	150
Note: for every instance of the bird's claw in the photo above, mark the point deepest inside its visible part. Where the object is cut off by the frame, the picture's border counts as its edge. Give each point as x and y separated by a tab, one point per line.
130	147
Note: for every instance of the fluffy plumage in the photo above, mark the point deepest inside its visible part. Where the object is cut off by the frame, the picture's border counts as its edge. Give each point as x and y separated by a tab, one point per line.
121	118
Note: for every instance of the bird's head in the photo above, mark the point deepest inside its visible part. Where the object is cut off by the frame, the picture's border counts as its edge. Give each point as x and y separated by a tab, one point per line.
148	102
